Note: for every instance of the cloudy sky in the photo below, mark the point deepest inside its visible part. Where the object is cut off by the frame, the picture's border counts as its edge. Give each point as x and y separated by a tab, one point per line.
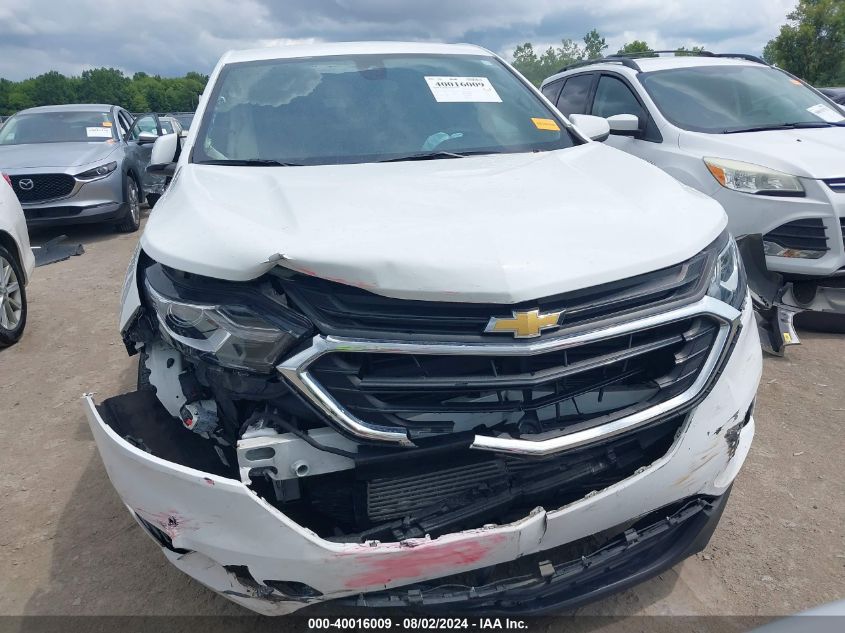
170	38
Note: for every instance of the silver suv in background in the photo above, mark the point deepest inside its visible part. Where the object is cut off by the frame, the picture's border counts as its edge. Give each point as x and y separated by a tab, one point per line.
80	163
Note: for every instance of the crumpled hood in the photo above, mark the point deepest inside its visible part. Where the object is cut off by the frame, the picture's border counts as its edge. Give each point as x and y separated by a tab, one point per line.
813	153
54	155
502	229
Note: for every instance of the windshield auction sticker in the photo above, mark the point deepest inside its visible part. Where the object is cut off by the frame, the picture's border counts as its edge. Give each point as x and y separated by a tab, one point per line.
98	132
463	90
825	113
545	124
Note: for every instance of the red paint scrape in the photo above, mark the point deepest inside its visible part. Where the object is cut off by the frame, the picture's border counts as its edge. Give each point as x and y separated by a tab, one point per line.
430	559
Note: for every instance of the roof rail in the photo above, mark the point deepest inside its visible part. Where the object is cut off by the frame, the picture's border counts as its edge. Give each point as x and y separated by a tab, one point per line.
610	59
750	58
627	59
684	53
681	53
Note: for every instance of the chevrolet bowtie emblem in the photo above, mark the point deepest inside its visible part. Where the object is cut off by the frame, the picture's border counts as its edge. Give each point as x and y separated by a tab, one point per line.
526	324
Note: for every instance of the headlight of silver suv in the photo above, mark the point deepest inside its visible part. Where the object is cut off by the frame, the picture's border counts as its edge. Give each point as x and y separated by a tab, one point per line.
750	178
236	325
728	282
97	172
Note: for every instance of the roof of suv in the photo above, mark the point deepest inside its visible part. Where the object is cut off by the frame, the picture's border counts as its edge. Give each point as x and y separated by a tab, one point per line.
72	107
351	48
648	64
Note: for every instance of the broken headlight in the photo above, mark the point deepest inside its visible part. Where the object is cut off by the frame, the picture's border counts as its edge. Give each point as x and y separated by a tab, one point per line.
236	325
728	282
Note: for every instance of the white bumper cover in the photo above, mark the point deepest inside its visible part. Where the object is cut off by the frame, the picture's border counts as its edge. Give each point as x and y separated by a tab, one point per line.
224	523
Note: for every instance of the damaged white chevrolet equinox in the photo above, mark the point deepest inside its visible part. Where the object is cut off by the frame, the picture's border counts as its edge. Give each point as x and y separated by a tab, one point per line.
408	337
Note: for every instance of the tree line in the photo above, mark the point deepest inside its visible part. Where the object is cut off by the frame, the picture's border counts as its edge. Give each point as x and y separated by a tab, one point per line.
139	93
810	45
536	67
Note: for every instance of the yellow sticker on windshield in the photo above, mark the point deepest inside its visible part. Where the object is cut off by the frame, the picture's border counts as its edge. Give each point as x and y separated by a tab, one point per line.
106	123
546	124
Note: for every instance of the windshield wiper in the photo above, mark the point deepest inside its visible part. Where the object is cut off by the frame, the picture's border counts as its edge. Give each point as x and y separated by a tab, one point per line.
783	126
434	156
248	162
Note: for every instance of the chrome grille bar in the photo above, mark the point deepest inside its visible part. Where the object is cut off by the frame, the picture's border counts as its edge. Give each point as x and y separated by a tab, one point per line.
295	370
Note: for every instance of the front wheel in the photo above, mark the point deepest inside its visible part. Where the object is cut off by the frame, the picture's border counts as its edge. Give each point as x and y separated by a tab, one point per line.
132	220
12	299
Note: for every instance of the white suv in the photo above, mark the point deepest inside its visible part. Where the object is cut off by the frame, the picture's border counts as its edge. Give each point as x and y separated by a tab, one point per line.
400	324
768	147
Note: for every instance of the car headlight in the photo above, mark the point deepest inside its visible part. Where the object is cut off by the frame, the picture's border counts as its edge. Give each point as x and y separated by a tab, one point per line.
728	282
750	178
98	172
241	328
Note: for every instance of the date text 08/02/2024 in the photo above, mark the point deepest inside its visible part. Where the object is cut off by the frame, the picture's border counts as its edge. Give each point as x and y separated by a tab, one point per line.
413	623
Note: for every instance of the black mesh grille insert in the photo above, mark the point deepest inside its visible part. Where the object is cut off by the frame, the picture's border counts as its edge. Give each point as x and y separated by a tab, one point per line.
52	212
807	234
344	310
38	187
432	394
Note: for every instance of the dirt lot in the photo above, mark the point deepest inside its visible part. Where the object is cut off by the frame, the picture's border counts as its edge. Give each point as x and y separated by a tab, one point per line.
68	546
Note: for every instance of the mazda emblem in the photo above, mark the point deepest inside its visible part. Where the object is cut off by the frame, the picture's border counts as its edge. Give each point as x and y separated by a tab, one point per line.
25	184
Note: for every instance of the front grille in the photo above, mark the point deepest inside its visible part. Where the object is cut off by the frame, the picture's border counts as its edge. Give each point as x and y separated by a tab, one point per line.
806	234
842	228
348	311
44	186
836	184
556	390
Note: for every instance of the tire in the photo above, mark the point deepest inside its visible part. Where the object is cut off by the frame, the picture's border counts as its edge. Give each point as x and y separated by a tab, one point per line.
12	299
132	220
821	322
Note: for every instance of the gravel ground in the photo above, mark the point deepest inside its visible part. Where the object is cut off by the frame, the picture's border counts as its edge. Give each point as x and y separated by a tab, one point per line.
68	546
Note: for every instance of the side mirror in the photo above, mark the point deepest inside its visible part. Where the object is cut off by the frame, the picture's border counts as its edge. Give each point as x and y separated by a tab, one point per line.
145	138
593	127
624	124
163	155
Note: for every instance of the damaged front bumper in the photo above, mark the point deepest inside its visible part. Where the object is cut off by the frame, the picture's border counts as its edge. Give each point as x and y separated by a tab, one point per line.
778	299
217	529
656	543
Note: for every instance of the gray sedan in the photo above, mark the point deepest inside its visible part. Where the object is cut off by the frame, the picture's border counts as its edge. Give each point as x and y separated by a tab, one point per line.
74	164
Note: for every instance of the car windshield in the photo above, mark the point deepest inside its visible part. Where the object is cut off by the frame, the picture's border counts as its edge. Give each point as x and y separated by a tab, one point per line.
57	127
724	99
370	108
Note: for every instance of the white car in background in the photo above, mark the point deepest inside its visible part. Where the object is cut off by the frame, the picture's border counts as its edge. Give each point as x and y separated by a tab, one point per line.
16	265
767	146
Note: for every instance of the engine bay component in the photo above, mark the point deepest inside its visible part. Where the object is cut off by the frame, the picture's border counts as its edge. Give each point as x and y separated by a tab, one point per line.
286	456
456	488
200	417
